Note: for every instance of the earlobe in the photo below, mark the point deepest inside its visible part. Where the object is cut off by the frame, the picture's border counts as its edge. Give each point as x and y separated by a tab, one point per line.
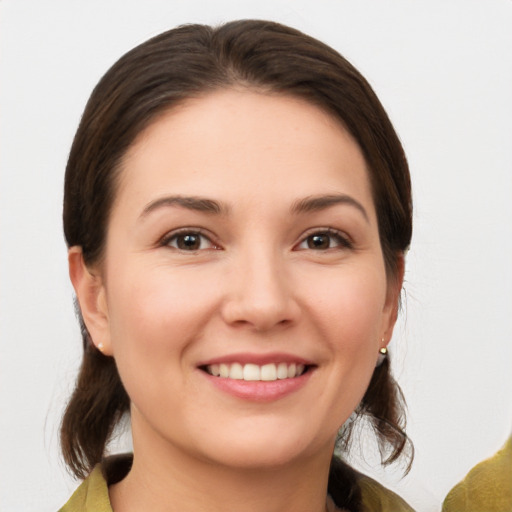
90	293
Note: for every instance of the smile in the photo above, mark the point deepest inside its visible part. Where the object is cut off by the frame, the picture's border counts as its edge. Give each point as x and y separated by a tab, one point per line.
254	372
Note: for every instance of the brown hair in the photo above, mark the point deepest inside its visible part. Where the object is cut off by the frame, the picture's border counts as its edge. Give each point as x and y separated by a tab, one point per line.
189	61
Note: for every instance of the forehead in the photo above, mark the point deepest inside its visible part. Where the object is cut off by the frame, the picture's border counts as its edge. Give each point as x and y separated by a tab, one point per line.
238	142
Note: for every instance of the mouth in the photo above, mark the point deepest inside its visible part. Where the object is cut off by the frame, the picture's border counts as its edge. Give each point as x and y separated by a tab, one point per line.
254	372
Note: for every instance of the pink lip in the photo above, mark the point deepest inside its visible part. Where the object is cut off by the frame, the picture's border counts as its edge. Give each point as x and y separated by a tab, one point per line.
259	391
259	359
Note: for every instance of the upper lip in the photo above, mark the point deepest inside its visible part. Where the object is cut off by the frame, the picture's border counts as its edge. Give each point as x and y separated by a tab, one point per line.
259	359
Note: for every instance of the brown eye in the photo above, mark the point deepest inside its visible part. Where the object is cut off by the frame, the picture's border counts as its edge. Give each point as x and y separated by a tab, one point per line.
189	241
319	241
325	240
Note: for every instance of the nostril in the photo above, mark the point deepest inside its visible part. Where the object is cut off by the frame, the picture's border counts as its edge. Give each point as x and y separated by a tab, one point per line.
258	319
259	294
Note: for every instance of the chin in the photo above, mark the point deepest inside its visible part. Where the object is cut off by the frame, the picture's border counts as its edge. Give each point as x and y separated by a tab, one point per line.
266	451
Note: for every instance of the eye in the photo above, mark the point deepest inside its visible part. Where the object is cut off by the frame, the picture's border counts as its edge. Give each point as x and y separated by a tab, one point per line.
324	240
188	240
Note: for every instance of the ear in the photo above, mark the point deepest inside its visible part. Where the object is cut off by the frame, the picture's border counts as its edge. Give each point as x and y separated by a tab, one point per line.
391	306
91	295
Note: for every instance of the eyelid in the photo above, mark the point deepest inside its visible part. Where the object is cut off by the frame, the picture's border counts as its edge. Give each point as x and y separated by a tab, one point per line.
345	240
166	239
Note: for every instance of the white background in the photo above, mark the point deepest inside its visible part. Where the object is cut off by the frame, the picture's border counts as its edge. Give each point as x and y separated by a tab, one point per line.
443	70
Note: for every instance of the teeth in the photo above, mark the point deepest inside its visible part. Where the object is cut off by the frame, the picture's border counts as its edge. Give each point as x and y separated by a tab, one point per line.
251	372
282	371
236	371
254	372
223	370
269	372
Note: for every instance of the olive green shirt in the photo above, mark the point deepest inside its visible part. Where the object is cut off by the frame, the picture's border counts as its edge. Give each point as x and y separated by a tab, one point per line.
92	496
486	488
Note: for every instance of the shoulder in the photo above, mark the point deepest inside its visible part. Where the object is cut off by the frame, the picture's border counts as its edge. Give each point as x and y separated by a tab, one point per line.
488	486
377	498
91	495
357	492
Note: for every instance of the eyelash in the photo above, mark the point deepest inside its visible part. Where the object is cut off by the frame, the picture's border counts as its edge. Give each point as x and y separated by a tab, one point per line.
342	241
194	232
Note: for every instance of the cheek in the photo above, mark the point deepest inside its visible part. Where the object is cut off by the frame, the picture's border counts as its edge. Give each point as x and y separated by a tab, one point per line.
350	324
155	316
349	318
349	308
155	312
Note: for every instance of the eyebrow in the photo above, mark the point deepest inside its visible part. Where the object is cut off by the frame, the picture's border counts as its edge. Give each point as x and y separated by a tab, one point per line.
199	204
317	203
205	205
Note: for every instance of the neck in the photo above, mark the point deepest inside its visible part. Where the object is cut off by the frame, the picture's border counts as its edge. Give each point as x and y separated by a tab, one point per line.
166	479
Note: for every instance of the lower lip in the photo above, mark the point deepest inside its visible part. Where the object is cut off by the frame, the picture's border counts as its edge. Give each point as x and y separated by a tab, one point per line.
259	391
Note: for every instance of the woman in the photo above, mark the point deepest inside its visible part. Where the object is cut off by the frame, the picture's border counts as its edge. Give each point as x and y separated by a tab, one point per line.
237	208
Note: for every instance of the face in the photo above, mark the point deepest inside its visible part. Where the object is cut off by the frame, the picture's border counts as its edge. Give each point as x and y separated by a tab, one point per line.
243	293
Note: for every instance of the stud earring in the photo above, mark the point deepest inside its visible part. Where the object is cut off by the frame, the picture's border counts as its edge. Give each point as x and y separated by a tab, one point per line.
383	353
101	347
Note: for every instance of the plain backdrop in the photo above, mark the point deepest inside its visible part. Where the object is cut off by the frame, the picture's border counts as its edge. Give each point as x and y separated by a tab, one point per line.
443	70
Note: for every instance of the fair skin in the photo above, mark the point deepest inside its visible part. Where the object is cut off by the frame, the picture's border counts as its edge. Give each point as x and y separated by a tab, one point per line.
243	239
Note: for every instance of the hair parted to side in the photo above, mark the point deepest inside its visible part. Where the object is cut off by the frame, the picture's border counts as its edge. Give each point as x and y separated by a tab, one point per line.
191	61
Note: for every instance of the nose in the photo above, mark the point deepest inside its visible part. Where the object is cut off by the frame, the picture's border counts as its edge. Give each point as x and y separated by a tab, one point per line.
260	295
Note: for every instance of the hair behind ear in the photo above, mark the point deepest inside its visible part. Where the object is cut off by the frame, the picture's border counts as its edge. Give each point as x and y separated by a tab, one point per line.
383	406
96	406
